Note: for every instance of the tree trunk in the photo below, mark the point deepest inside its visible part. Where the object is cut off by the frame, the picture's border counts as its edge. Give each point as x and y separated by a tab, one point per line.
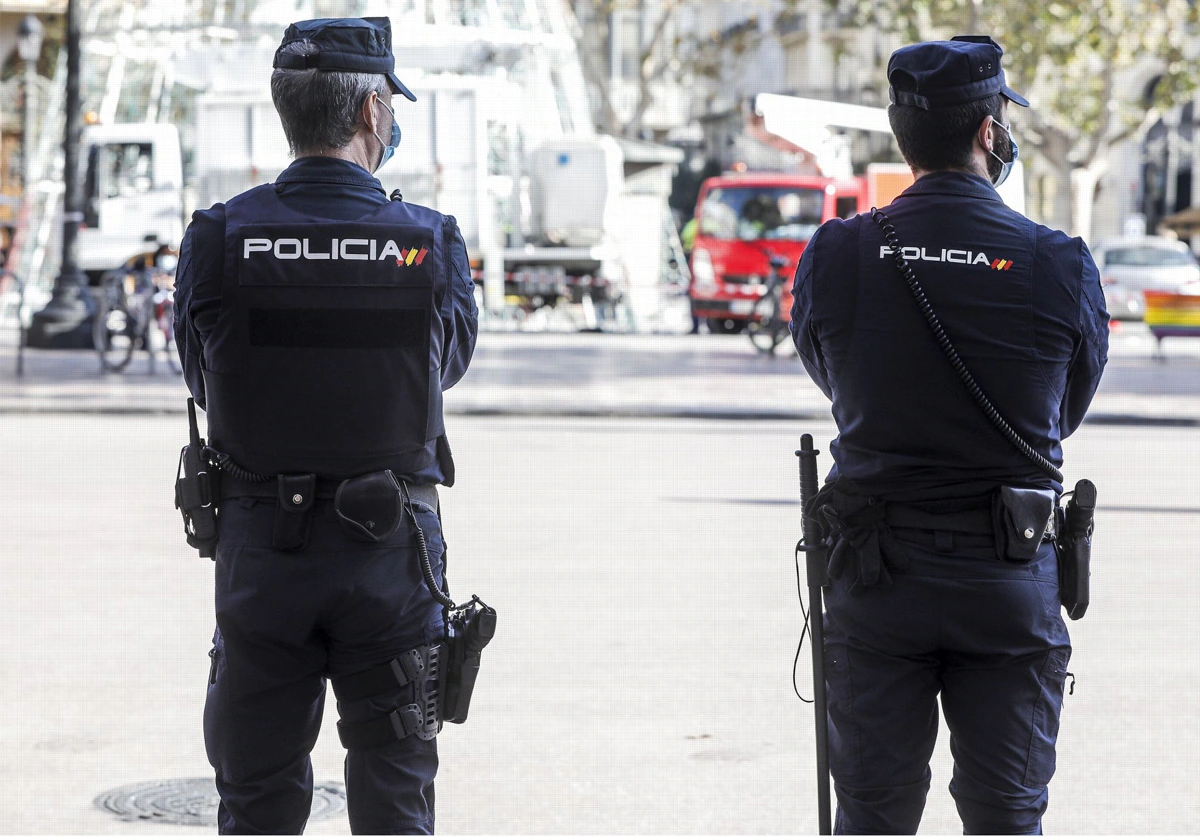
973	16
1062	214
595	73
1087	181
1055	150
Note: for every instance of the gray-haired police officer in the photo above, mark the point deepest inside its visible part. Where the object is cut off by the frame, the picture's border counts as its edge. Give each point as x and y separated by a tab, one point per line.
319	323
920	603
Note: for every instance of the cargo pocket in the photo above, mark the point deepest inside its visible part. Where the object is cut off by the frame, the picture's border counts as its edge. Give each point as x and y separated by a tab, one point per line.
845	738
214	656
1047	711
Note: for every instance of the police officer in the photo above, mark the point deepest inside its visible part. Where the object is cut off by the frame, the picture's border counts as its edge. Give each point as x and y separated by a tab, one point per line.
921	602
319	323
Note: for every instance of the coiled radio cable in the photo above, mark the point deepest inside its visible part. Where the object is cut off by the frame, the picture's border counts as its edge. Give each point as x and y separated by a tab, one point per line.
234	469
438	593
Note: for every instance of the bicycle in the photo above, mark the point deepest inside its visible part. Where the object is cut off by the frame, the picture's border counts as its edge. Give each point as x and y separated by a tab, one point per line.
767	326
136	309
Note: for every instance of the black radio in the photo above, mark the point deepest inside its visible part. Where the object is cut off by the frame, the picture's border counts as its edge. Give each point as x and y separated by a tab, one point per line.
196	491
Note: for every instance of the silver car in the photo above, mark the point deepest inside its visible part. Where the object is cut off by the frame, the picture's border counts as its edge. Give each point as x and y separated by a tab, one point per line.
1129	267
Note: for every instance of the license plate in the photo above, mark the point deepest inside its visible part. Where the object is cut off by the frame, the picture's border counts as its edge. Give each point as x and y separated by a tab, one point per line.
741	307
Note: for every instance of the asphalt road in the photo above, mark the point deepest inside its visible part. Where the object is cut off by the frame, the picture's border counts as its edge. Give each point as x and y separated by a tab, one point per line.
640	681
607	375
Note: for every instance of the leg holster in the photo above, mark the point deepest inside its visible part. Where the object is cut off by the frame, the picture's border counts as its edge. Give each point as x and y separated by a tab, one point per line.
423	669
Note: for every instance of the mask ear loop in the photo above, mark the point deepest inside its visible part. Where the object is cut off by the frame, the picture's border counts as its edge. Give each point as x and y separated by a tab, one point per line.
383	146
1005	165
391	113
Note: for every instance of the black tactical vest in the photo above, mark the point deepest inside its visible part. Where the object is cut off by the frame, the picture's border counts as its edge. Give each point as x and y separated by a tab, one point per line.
326	353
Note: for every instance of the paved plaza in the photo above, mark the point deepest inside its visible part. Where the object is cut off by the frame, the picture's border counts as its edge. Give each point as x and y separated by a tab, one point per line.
611	375
640	681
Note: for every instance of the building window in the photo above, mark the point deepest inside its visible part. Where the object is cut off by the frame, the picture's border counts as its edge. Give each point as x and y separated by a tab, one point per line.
629	45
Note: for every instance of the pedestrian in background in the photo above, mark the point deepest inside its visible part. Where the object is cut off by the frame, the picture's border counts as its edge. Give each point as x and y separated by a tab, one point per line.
929	597
319	323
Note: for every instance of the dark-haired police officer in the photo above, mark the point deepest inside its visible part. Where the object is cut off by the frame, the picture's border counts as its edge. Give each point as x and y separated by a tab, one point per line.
920	604
318	324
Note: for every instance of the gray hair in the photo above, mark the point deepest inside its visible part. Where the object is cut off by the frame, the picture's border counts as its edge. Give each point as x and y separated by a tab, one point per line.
319	108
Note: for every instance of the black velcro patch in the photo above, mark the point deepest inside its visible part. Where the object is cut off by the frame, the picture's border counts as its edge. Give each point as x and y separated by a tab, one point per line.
338	328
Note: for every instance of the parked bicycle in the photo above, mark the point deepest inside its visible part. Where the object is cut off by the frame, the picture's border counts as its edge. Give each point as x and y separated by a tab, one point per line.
768	325
136	310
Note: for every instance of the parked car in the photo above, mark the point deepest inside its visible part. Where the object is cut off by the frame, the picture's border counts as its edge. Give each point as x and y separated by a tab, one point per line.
1131	266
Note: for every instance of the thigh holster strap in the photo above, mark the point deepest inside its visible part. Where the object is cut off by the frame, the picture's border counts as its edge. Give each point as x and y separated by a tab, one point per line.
421	668
396	726
382	678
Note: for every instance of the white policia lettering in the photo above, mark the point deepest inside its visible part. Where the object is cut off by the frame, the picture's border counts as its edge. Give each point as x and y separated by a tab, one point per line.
950	255
345	249
346	245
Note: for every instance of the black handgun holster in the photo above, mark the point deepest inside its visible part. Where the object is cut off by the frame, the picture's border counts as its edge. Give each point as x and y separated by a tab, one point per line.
1020	519
469	632
1074	545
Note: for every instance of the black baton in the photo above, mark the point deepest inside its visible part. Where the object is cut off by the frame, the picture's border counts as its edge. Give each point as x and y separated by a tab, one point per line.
816	562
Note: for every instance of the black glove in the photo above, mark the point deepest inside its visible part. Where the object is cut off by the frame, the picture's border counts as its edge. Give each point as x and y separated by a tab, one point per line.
863	545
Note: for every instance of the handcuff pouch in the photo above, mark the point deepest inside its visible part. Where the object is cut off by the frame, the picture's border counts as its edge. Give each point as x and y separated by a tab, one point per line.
1020	519
369	507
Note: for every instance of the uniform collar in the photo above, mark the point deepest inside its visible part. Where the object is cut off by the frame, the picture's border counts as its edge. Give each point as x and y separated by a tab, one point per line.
328	170
952	182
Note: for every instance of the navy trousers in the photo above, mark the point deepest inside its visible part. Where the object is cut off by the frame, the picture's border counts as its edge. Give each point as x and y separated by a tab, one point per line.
287	621
985	635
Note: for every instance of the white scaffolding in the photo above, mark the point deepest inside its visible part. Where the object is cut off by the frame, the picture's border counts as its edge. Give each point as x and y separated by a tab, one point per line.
203	65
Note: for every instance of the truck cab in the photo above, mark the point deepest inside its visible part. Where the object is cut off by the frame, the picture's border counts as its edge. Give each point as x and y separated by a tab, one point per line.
742	218
132	193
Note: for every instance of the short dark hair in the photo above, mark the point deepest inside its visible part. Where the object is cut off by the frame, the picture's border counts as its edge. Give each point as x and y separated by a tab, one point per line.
941	138
319	108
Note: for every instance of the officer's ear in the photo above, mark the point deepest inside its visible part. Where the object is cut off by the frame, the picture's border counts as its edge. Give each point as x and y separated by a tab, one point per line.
986	135
370	113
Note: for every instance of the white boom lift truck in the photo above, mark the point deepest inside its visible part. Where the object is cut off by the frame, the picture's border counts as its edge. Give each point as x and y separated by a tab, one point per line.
500	137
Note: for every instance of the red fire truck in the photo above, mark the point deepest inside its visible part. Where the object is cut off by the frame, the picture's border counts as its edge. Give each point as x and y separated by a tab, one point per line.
740	218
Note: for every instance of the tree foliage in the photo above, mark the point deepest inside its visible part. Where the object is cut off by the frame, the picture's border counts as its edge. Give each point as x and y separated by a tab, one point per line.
1094	70
668	53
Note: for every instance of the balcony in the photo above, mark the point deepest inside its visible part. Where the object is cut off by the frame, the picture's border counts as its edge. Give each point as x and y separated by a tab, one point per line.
794	24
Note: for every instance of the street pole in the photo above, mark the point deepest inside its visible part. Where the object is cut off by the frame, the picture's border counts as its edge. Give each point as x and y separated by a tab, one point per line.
64	322
27	135
1194	198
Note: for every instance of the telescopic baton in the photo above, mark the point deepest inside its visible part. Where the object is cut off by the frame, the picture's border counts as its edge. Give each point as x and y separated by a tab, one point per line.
816	561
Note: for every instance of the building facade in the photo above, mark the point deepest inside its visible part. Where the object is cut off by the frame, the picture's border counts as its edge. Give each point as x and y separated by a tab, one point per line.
22	90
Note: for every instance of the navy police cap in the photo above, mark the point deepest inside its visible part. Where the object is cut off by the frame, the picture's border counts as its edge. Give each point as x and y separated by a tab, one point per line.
351	45
937	73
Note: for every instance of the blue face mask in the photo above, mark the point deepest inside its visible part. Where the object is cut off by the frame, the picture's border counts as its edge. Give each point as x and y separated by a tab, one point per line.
1005	165
389	149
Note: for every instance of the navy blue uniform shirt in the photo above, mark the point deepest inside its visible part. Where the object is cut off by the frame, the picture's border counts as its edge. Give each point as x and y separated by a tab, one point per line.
327	188
1022	305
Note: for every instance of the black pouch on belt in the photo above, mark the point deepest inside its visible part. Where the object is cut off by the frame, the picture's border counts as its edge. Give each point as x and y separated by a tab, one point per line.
293	517
1020	517
369	507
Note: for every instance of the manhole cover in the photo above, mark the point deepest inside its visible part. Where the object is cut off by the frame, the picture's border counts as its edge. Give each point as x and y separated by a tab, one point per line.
194	801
